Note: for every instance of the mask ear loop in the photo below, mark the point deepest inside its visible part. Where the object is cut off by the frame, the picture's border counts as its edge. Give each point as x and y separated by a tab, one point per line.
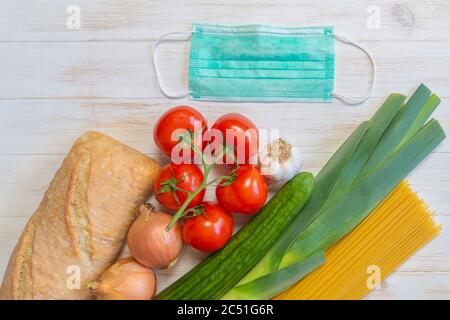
351	101
160	41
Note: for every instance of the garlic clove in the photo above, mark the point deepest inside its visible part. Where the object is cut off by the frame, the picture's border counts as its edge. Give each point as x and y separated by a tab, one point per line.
280	161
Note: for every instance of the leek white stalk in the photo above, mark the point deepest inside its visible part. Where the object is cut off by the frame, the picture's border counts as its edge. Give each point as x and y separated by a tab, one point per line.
371	162
280	161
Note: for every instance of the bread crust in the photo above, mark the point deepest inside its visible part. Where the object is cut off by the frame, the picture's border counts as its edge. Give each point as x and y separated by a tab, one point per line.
81	224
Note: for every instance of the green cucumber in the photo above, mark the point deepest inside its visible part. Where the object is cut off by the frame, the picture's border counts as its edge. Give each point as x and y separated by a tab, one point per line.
221	271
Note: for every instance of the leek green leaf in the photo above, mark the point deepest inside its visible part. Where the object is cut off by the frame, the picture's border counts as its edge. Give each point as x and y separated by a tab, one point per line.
324	182
424	114
378	124
333	181
398	129
336	221
275	282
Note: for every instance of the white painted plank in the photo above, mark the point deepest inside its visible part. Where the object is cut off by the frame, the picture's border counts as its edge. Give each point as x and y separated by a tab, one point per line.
143	20
433	258
35	134
124	69
413	286
51	126
25	179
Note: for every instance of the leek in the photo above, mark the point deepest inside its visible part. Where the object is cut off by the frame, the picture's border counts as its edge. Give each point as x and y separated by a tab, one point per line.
333	180
341	218
324	179
275	282
371	162
431	104
378	124
399	127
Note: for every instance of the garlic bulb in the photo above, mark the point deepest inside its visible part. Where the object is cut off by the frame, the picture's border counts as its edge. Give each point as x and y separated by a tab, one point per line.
149	241
125	280
279	161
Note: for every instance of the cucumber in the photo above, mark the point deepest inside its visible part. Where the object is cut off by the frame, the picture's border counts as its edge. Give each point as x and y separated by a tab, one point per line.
222	270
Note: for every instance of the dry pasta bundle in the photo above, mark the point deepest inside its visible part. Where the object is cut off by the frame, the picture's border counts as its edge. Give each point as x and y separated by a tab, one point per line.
395	230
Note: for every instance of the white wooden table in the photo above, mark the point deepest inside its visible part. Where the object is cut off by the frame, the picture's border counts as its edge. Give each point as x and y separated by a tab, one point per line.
57	81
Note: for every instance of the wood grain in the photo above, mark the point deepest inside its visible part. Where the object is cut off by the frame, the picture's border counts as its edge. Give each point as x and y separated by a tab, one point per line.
413	285
146	20
89	70
56	83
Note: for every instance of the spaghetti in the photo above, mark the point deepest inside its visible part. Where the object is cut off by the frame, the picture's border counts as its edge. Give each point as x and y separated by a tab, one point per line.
394	231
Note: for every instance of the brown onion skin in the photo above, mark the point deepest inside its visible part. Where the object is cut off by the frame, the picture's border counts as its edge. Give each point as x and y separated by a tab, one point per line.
149	242
125	280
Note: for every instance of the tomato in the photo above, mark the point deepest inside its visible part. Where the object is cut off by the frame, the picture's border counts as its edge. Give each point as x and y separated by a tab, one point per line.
187	177
245	136
246	194
178	119
208	231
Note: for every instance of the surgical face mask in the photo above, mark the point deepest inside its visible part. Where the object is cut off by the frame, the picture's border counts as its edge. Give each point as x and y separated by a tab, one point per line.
260	63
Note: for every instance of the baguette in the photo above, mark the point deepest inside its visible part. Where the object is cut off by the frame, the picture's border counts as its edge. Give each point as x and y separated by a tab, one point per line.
81	224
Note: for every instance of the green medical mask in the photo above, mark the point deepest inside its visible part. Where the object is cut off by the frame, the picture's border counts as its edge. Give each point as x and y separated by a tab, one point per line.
260	63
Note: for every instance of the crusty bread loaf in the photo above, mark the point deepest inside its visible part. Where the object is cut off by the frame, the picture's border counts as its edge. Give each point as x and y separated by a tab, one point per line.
82	222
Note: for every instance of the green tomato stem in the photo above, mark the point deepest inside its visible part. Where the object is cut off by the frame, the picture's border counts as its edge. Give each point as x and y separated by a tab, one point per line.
188	200
206	170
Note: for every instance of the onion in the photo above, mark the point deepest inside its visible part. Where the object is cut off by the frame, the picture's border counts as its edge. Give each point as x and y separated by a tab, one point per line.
125	280
149	241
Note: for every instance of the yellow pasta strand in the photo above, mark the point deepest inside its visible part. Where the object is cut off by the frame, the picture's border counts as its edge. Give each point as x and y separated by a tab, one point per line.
394	231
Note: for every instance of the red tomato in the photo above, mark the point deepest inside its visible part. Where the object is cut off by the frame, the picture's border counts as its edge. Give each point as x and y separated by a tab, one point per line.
209	231
246	194
244	133
186	177
178	119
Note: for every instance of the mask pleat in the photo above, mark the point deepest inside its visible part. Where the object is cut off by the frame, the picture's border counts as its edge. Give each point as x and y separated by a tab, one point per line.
261	63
